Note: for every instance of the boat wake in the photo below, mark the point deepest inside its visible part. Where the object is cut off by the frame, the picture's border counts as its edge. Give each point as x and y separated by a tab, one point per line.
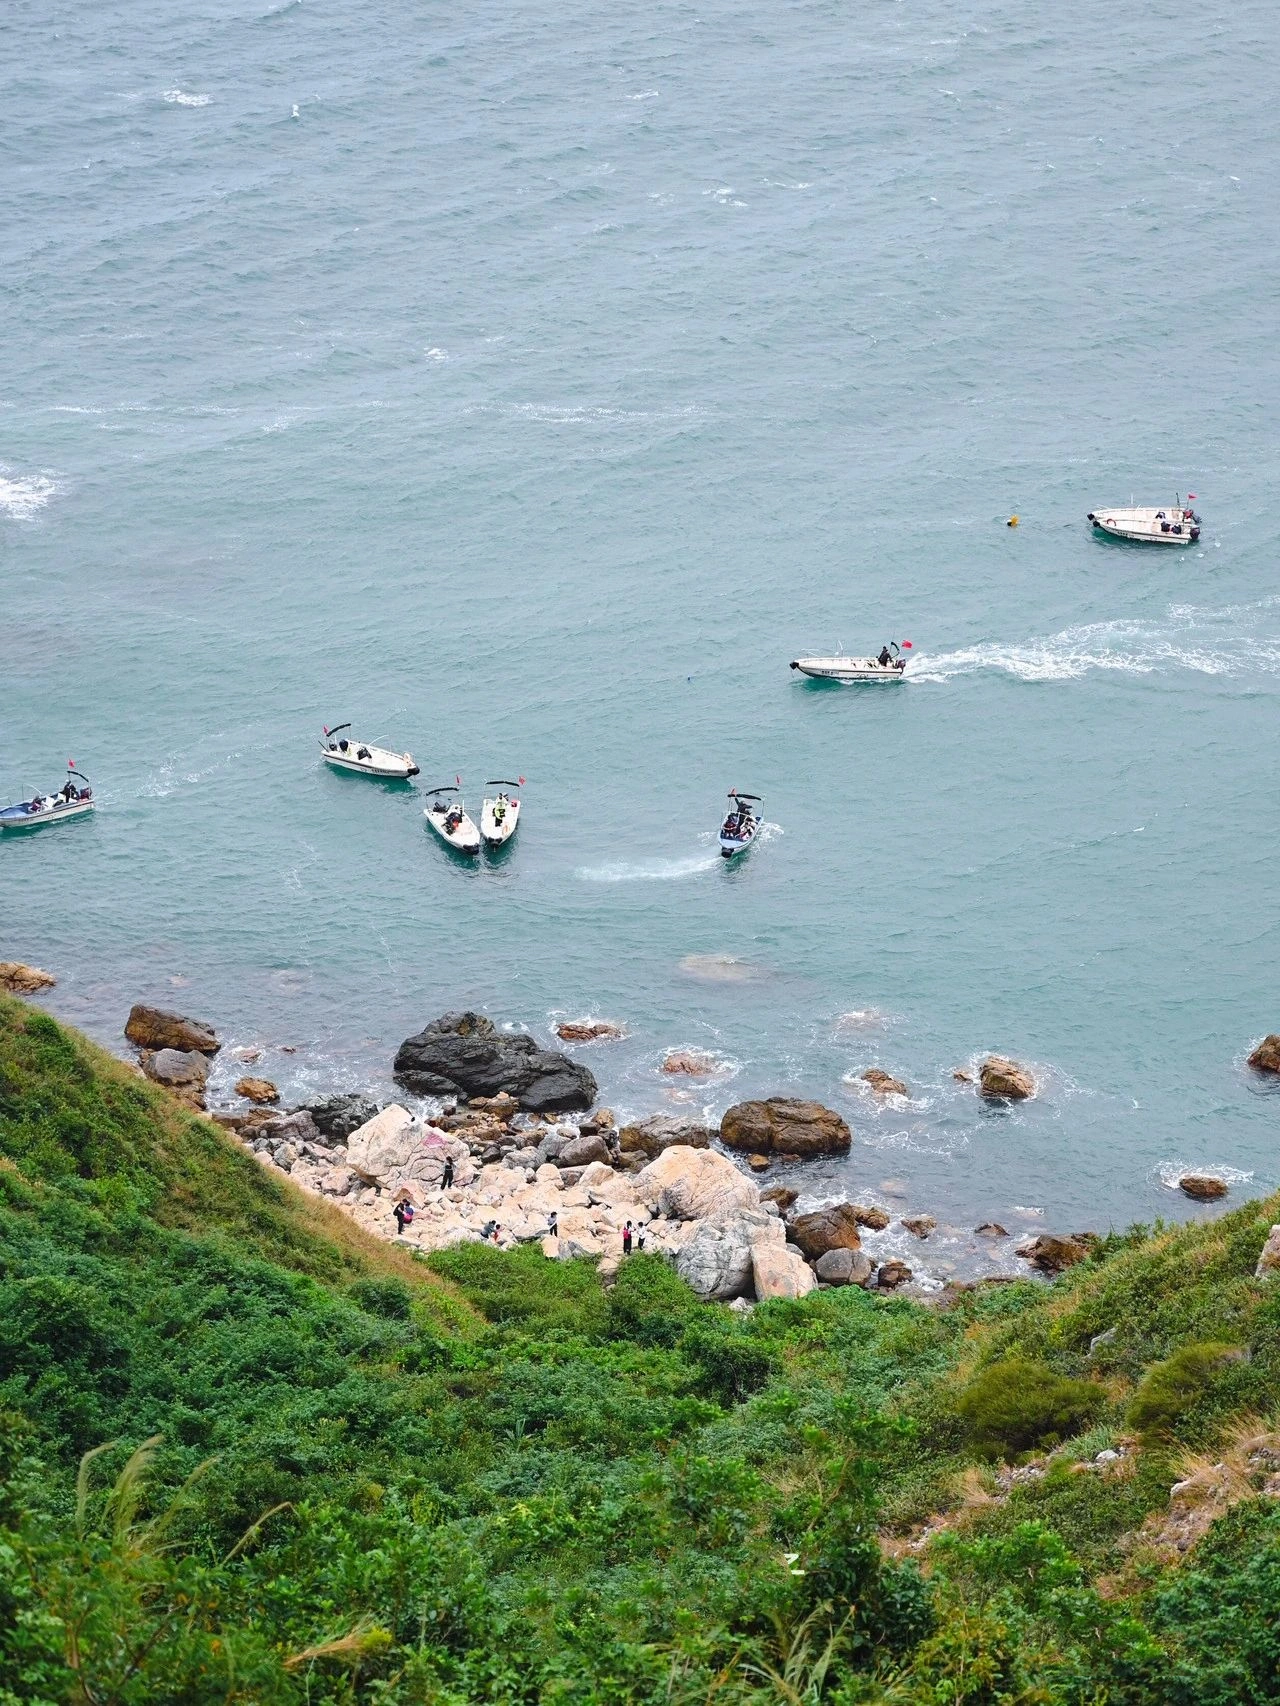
1202	641
650	870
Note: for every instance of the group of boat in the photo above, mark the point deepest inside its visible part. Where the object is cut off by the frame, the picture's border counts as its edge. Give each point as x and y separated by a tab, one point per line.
1137	525
445	812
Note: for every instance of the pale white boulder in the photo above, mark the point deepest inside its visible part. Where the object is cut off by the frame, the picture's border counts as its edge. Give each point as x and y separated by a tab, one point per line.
694	1184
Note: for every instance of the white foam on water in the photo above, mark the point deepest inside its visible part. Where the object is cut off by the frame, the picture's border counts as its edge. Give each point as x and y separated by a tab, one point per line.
1169	1173
645	95
180	98
648	871
434	354
1124	646
23	495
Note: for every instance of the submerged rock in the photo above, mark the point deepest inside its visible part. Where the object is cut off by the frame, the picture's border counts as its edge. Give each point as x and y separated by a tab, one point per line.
689	1062
785	1125
882	1083
1202	1186
589	1031
1266	1057
921	1225
1004	1080
465	1054
24	980
664	1131
154	1028
990	1229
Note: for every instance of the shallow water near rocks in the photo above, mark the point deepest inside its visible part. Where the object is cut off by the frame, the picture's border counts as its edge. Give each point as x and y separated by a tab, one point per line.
531	389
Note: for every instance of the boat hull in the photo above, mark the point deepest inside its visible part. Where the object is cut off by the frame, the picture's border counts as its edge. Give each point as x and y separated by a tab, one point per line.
384	766
465	839
493	833
16	819
1146	526
850	670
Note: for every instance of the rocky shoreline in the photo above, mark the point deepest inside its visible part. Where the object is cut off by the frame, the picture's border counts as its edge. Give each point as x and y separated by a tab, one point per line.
513	1148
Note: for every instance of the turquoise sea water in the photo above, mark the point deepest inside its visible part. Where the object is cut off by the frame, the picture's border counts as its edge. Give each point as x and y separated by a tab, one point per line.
530	386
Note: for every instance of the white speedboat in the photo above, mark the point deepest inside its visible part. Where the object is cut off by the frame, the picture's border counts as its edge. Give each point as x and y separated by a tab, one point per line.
889	666
449	820
363	759
742	825
72	800
500	815
1174	525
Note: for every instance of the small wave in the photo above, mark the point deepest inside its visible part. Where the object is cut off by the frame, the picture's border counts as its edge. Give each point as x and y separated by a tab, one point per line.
720	968
1170	1172
434	354
180	98
860	1019
645	95
23	495
555	414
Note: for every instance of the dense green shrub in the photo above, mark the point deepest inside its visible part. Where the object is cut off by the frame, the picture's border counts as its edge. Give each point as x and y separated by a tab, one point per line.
1016	1404
1175	1385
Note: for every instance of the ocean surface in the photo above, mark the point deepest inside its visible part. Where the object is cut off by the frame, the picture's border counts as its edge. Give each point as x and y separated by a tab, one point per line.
529	386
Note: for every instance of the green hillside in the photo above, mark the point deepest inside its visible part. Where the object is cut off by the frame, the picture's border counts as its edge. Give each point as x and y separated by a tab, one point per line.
248	1454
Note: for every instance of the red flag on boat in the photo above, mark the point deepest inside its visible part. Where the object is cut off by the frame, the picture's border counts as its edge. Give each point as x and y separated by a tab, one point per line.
906	645
71	764
1191	497
522	781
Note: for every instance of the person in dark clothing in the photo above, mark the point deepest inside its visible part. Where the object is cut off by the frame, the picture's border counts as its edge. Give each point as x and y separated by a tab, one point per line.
626	1239
553	1224
398	1211
884	657
447	1179
639	1238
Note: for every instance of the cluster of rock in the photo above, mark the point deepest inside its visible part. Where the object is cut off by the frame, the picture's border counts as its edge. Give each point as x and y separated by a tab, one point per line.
520	1169
572	1187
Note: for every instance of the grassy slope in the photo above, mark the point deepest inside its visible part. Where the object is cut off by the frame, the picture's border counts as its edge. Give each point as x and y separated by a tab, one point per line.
507	1485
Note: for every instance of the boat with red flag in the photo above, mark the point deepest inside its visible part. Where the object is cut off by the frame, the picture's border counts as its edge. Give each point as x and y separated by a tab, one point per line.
889	666
742	824
1176	524
74	799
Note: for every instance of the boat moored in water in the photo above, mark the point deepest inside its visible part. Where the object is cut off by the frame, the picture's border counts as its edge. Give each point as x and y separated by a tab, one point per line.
361	758
448	818
890	665
71	801
1176	525
741	826
500	815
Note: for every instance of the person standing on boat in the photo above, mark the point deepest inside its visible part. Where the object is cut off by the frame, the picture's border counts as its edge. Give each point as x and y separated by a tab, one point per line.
884	660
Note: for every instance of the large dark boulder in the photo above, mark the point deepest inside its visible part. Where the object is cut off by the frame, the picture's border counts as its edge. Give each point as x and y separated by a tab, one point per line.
336	1117
464	1054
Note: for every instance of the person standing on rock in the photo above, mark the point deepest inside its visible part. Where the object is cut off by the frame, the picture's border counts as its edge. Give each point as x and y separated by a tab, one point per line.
639	1239
626	1239
553	1224
447	1177
398	1211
